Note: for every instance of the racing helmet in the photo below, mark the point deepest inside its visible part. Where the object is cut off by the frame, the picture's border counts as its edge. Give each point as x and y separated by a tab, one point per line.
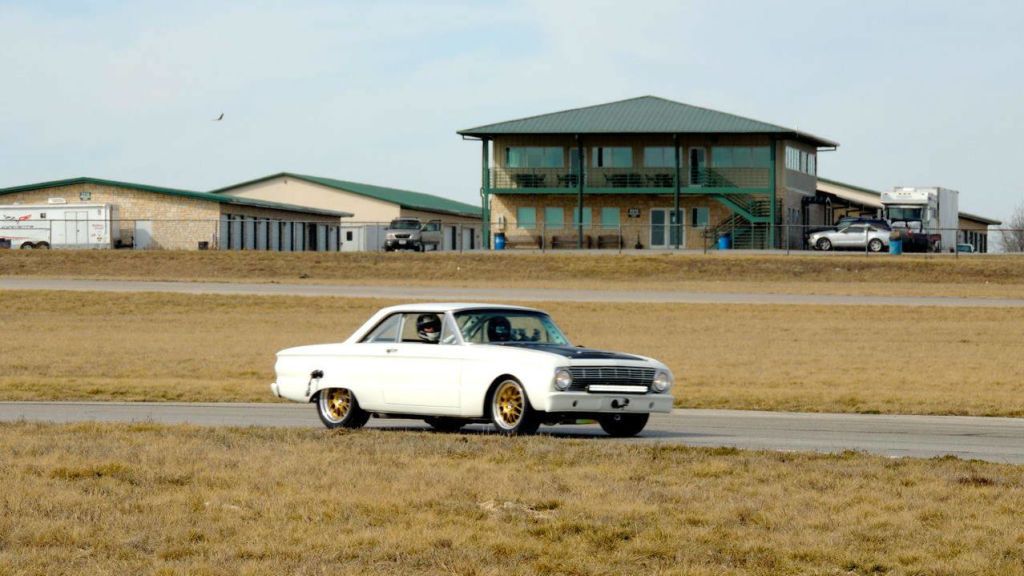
428	326
499	329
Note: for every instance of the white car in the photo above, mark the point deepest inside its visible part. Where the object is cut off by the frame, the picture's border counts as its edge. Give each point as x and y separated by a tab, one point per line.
454	364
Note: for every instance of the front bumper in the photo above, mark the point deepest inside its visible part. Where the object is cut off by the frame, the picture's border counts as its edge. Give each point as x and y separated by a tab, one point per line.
609	403
402	244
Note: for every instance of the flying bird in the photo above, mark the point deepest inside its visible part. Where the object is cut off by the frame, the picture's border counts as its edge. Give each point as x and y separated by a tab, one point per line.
219	118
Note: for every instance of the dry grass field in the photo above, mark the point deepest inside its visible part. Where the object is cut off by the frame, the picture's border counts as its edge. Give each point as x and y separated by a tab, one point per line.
925	275
803	358
95	499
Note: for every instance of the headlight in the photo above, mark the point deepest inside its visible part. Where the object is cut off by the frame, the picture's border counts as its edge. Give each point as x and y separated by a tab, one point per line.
662	381
563	379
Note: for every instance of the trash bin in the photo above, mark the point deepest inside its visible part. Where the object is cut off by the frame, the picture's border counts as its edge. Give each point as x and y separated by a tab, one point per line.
896	246
724	242
499	241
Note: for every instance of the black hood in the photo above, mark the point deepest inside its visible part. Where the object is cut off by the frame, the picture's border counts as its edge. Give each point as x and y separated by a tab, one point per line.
570	351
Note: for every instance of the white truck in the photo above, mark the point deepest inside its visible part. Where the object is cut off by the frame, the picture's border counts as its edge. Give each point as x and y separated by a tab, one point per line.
44	226
926	219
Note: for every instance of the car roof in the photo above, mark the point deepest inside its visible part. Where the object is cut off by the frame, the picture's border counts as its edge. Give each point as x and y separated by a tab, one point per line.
439	307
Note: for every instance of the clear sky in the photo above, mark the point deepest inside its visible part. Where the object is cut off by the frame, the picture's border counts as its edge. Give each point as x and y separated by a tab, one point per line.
917	93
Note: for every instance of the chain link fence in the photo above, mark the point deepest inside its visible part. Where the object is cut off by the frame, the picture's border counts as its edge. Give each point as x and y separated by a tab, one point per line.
329	235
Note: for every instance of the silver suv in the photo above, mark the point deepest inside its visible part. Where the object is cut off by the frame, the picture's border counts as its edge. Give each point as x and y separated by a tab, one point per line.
411	234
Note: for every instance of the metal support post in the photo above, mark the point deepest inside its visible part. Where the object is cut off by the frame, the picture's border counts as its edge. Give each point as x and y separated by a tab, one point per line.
579	195
771	208
485	193
675	210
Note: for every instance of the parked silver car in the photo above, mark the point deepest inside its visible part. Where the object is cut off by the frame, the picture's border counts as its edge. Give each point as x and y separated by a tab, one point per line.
854	236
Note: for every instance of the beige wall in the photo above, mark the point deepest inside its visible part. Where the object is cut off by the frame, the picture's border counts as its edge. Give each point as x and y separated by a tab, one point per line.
178	223
302	193
366	210
445	218
504	206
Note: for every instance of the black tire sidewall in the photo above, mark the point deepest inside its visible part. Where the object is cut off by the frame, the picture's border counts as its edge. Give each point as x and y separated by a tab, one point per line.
875	245
824	244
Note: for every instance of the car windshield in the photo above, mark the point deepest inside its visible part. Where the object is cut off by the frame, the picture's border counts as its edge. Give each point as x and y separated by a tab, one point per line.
904	213
508	326
405	225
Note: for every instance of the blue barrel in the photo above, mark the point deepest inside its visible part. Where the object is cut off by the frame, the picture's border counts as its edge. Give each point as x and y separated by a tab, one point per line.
724	242
896	246
499	241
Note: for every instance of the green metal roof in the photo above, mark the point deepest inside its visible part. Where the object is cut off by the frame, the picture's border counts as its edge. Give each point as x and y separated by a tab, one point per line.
206	196
404	198
642	115
962	214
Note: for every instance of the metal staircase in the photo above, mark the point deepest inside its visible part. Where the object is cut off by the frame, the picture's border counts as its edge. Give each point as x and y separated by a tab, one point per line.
748	223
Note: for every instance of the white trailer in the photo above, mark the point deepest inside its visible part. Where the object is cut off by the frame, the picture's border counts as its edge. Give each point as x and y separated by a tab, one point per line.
57	225
929	216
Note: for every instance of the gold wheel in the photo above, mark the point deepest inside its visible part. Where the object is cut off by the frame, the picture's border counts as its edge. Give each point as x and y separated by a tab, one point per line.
509	404
335	404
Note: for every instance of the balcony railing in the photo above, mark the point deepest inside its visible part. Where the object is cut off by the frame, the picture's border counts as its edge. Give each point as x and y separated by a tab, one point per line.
629	178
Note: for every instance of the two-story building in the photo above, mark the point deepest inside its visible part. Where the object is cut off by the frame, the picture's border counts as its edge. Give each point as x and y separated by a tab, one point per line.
645	172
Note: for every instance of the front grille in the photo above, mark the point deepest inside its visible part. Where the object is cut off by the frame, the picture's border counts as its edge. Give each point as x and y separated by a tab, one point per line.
403	236
584	376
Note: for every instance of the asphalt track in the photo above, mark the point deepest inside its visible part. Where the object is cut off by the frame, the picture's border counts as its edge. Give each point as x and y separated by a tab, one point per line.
991	439
494	294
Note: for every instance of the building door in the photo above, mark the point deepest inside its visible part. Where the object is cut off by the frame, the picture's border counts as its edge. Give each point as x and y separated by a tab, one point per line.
697	166
666	229
143	234
468	237
76	231
451	238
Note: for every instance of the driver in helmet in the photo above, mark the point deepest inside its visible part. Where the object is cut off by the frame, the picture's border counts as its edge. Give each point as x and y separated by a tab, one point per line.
428	326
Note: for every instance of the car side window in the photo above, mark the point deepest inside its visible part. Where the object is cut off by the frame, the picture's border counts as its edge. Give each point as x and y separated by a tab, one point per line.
421	328
855	230
386	331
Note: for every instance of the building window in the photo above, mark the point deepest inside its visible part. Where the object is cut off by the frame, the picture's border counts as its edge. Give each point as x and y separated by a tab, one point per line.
613	157
610	217
587	217
801	161
554	217
659	157
534	157
699	217
526	217
740	156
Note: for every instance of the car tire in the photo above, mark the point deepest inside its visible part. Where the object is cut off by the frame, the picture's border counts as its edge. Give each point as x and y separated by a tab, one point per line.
824	244
623	425
510	409
43	246
875	245
442	424
28	246
338	408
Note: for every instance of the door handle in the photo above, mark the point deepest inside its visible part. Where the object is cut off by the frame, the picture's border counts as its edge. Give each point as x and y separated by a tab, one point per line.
391	350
